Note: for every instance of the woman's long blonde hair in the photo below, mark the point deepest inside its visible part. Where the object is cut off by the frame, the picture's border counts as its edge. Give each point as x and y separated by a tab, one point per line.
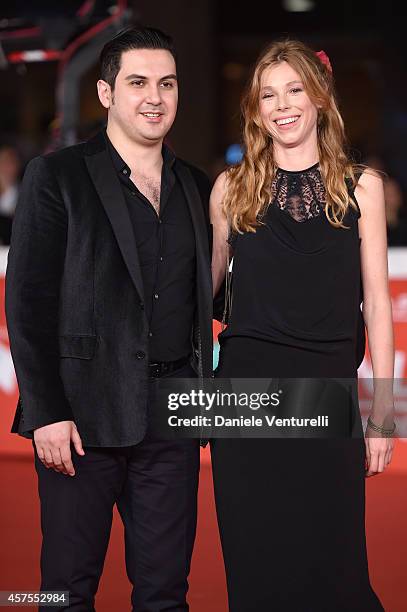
249	183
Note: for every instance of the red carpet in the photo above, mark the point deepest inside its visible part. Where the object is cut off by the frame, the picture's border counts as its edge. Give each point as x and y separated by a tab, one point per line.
20	542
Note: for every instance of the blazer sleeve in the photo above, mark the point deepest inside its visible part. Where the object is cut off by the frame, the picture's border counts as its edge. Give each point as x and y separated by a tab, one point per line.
205	186
33	279
219	303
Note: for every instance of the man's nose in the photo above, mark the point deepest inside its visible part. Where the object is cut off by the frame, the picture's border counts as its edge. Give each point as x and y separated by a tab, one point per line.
153	95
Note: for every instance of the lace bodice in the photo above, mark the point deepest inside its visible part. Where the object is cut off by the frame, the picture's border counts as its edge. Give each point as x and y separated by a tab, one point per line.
300	193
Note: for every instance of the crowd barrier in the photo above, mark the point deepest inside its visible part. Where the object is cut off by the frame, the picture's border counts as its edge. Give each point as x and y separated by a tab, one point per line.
398	286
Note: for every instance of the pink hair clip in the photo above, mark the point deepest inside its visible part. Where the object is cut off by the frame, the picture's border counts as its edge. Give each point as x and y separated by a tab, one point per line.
324	59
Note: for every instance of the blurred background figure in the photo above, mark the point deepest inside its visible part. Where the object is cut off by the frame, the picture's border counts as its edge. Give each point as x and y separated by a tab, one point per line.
10	169
396	213
395	199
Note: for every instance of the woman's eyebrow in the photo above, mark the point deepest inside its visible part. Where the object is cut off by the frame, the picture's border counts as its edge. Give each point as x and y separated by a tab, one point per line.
287	84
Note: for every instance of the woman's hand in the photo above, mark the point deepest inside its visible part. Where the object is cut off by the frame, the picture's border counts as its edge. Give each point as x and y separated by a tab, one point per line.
379	452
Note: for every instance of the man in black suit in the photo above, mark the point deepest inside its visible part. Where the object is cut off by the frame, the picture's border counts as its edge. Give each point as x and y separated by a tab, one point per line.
109	289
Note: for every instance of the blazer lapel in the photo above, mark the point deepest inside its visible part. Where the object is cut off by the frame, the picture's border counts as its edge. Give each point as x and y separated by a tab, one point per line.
193	198
111	195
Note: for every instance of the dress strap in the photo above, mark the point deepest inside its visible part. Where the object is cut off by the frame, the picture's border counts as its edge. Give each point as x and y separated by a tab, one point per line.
351	190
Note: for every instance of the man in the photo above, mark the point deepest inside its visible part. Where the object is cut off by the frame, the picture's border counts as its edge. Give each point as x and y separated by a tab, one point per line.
109	288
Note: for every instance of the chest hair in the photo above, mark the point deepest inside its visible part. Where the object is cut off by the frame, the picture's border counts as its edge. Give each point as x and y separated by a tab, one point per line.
150	187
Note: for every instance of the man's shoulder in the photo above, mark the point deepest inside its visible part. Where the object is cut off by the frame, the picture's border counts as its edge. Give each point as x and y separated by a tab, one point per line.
56	164
62	156
56	161
201	178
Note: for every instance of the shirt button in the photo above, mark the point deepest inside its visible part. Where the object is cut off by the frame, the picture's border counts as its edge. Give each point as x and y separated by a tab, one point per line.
150	334
161	258
125	171
160	221
140	354
156	296
133	193
142	305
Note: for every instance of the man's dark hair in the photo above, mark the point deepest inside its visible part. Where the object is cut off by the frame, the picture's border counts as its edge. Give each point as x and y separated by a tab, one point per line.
131	38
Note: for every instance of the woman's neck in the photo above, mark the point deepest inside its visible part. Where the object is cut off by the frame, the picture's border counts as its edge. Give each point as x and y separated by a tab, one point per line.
296	158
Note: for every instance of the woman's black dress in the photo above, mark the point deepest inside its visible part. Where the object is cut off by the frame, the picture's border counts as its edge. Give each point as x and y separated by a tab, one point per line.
291	511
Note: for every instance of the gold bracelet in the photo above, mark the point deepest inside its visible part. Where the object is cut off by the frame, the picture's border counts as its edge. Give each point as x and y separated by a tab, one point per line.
387	433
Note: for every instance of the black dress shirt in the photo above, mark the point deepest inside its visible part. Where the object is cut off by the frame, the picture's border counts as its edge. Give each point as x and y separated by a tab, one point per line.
166	249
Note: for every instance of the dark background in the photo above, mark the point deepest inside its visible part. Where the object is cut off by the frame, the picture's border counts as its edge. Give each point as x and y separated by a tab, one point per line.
218	42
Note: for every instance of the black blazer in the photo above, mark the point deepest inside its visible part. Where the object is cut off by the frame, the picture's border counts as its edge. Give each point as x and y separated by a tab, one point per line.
74	296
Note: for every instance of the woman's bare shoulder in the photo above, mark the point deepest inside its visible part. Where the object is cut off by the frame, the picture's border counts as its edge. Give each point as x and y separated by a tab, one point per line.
369	190
218	194
220	185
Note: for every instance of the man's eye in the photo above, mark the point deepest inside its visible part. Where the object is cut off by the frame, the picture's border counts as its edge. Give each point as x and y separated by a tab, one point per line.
167	84
138	83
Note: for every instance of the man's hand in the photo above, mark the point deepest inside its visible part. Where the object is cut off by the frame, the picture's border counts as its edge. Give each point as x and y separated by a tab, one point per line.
53	444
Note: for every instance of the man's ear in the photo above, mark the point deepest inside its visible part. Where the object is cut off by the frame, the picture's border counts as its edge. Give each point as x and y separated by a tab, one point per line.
104	93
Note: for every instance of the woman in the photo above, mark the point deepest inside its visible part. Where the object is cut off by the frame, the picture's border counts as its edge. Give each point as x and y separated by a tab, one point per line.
304	231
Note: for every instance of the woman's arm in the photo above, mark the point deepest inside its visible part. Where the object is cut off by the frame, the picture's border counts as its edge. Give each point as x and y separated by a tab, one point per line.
377	313
220	232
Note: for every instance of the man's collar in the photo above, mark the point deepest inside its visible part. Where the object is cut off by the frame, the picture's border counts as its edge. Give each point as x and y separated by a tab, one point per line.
168	155
121	166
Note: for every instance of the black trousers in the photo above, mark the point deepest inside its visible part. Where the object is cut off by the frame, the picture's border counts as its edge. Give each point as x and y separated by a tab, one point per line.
154	485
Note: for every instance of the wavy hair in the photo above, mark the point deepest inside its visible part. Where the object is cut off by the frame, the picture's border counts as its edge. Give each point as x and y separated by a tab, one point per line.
249	183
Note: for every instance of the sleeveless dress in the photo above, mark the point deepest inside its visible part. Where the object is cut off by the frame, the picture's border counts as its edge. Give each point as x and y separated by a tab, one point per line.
291	511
